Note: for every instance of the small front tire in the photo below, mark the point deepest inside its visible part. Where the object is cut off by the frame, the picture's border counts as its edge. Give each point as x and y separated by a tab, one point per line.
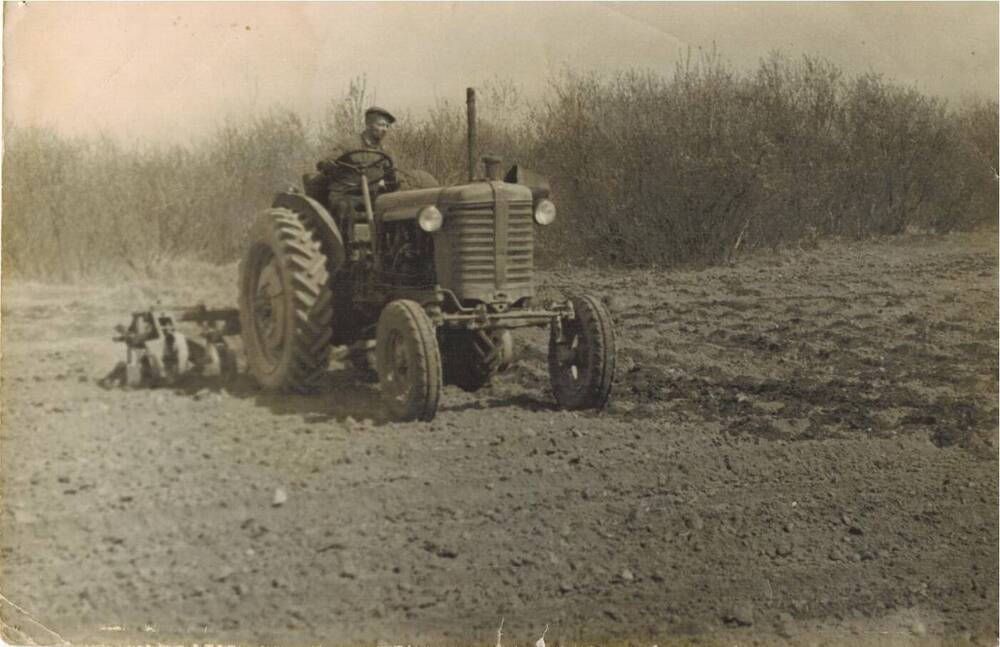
408	361
582	363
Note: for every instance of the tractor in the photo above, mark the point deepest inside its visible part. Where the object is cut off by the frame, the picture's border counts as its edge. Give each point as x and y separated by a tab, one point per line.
437	278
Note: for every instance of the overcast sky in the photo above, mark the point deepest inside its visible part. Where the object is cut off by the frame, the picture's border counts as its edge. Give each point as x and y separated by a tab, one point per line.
172	71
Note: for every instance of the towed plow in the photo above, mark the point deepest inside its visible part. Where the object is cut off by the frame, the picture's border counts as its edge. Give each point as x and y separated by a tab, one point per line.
159	354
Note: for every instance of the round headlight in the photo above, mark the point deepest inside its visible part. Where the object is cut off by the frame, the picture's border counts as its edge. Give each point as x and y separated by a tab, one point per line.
545	212
430	219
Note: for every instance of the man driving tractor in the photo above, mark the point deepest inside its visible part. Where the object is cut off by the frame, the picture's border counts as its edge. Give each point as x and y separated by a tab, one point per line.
337	180
377	123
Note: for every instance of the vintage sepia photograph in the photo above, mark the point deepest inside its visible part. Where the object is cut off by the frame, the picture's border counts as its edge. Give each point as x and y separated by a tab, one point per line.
503	324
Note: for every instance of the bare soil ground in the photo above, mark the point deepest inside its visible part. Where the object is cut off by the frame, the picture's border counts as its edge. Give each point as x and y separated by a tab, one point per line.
800	449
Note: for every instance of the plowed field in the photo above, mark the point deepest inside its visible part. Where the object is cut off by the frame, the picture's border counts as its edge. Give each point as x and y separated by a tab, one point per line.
801	448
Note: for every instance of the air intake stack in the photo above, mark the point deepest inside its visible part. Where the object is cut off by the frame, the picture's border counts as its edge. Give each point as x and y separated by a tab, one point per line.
470	110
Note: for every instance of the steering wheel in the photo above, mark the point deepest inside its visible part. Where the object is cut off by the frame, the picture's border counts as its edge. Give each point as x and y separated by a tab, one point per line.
350	161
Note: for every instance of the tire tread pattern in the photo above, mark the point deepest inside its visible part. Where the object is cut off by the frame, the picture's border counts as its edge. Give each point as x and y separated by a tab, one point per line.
595	325
305	357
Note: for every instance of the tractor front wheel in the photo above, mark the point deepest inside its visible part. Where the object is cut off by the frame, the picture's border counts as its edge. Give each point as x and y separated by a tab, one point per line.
285	304
582	361
408	361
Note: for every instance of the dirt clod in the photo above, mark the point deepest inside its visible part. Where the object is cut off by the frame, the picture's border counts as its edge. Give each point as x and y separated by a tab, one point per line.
741	614
785	625
695	522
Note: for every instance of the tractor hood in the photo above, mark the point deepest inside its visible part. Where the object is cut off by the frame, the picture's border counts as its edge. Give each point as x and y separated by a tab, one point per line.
404	205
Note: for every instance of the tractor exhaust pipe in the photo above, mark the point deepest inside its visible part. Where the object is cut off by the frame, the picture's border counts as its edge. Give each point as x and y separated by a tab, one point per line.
470	109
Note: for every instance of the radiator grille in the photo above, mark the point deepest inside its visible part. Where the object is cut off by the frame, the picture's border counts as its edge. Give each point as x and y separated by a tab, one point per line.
492	250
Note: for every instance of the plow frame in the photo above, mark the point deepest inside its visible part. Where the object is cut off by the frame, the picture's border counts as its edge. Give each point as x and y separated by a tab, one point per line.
158	354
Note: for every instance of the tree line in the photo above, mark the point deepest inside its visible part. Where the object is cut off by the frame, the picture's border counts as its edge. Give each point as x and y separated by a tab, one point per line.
647	168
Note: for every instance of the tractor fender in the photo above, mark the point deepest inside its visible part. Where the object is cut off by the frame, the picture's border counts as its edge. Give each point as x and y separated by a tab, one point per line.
319	220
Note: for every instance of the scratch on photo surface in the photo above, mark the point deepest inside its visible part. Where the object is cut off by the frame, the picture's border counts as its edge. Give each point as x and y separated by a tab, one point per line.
32	619
17	636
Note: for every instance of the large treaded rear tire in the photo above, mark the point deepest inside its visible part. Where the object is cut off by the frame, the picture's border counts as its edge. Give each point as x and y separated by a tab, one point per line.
286	305
582	366
408	361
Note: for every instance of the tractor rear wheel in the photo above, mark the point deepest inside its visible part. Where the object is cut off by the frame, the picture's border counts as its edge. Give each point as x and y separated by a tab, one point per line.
582	363
472	357
408	361
285	304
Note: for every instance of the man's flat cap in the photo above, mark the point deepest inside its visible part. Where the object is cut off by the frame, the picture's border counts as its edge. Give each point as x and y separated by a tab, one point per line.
375	110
